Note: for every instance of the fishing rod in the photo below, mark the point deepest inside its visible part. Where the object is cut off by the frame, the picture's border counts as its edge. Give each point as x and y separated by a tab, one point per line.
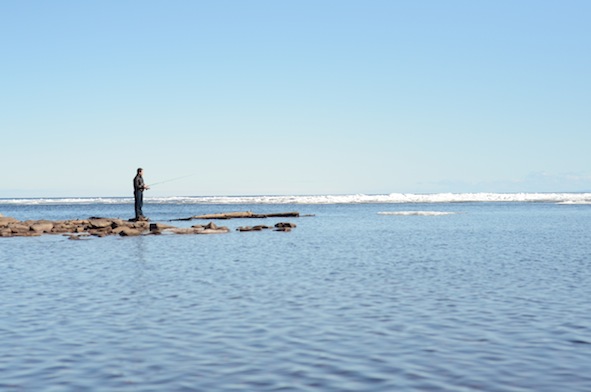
170	180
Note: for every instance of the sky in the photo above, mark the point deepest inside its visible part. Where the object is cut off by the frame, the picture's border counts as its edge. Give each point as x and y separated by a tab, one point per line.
294	97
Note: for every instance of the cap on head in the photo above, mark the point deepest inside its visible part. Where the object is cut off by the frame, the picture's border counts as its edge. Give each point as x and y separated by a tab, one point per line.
140	170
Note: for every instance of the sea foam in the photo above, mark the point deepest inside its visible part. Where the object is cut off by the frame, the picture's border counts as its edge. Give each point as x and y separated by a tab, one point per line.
416	213
392	198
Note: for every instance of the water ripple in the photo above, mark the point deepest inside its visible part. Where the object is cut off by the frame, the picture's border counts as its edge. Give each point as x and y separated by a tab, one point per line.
493	299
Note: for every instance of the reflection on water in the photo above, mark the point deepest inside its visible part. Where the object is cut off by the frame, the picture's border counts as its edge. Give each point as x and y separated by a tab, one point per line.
491	297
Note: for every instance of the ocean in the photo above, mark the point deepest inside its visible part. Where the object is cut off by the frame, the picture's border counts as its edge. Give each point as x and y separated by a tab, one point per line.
399	292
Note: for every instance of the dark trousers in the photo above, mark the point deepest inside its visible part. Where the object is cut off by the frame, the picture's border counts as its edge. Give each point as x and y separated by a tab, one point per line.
139	203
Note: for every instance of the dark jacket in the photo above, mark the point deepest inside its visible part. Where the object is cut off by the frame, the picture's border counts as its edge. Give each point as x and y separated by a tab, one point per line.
138	184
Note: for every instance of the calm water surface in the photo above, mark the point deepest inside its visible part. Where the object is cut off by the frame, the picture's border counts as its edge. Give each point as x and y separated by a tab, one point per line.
495	297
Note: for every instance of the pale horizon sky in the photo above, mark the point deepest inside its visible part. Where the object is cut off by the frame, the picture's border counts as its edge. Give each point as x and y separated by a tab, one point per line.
294	97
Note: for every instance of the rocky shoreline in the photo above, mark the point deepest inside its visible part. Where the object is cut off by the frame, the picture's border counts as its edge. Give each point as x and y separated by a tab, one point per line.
102	227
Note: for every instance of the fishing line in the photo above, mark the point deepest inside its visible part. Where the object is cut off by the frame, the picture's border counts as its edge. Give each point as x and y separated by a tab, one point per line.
170	180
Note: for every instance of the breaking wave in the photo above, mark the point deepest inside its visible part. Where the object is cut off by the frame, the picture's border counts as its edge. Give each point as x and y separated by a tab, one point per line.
393	198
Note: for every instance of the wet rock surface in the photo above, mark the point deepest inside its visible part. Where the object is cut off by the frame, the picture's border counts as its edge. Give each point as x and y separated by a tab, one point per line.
76	229
281	226
243	215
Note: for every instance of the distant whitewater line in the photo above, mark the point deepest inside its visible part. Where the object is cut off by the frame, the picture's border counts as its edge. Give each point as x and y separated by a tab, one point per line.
416	213
393	198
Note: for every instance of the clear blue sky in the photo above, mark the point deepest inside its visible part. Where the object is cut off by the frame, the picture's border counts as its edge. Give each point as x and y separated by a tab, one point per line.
294	97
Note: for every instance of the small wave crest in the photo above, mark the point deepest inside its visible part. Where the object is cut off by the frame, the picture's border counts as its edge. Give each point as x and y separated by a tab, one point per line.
416	213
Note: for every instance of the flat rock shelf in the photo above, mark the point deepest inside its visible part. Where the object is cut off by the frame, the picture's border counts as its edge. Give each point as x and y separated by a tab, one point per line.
241	215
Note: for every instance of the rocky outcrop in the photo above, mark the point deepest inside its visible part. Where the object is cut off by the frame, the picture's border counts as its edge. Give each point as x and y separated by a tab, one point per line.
98	227
101	227
281	226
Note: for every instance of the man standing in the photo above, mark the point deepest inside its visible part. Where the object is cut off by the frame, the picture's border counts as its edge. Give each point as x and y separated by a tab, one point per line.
138	193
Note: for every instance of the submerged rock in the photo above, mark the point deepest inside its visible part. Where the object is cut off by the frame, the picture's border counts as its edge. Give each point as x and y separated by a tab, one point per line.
289	225
198	230
253	228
